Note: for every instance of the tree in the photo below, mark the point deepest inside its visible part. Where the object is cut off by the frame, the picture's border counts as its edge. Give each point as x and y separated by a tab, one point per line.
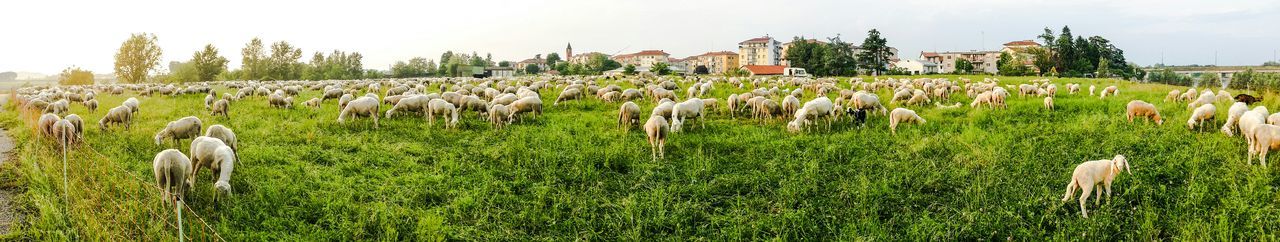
8	76
207	64
532	69
598	63
1271	63
476	60
659	68
416	67
137	57
371	73
963	66
283	63
252	60
875	54
629	70
1012	65
75	76
504	64
1104	69
445	60
552	59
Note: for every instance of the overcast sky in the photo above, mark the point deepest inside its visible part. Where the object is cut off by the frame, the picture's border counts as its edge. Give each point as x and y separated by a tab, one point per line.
46	36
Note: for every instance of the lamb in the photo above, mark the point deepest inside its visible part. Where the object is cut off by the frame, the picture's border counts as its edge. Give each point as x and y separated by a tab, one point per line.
171	168
628	115
220	107
442	108
185	128
656	130
1048	103
132	103
693	107
360	107
1201	114
118	115
1173	95
91	104
313	102
46	123
531	105
984	98
1139	108
218	157
1248	99
498	115
1090	174
902	115
416	103
1233	116
224	134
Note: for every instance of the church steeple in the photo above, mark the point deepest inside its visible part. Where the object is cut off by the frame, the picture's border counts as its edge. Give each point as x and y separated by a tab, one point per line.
568	51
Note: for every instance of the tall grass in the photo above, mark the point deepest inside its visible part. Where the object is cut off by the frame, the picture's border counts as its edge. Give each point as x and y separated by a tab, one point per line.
571	174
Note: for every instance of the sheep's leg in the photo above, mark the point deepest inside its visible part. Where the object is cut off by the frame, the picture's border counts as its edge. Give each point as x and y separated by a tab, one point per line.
1262	154
1107	186
1097	195
1084	196
1071	188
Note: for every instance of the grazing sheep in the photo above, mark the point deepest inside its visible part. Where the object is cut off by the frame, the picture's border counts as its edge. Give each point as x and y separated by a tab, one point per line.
416	103
693	107
902	115
346	98
656	130
1250	120
790	104
442	108
118	115
59	107
313	102
279	101
1173	95
663	109
171	168
208	100
566	95
78	123
224	134
1139	108
332	94
868	101
1201	114
91	104
1266	138
132	103
1248	99
360	107
212	153
1091	88
65	132
1048	103
498	115
984	98
185	128
628	115
1090	174
531	105
1233	116
46	122
817	108
220	107
1110	90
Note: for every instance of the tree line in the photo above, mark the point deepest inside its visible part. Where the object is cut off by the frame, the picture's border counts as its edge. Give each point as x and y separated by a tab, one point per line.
838	58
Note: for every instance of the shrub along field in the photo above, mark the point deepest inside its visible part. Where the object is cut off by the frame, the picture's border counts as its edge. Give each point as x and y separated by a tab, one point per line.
573	174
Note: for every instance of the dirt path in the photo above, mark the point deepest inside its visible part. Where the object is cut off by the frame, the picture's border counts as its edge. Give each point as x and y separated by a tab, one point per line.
8	218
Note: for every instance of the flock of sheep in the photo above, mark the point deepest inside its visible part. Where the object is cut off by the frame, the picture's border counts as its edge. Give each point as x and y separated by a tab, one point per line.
502	102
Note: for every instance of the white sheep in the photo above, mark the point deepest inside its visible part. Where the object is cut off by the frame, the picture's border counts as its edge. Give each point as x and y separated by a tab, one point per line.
790	104
360	107
184	128
212	153
692	108
902	115
1233	116
1090	174
1139	108
1091	88
1048	103
442	108
76	121
65	132
568	94
532	105
813	109
118	115
656	130
224	134
91	104
1110	90
220	107
628	115
313	102
498	115
46	122
1250	120
1266	138
1200	115
172	168
132	103
416	103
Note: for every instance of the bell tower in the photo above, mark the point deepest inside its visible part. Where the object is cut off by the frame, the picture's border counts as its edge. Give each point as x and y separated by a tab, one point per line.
568	52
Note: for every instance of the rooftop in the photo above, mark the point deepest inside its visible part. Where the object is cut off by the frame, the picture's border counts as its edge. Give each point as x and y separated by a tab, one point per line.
764	70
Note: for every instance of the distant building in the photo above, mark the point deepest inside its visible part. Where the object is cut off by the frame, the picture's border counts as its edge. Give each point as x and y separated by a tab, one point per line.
763	51
568	51
643	59
500	71
1019	48
916	67
715	62
983	61
764	70
536	61
584	58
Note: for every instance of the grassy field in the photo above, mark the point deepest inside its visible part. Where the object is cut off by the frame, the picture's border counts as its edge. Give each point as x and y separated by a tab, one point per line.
572	174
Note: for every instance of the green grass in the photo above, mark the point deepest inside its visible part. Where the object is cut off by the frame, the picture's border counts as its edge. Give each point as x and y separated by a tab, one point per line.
571	174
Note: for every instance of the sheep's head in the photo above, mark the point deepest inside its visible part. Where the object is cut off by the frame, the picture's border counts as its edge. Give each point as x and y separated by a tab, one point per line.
1121	162
1191	124
161	135
793	126
222	188
675	125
